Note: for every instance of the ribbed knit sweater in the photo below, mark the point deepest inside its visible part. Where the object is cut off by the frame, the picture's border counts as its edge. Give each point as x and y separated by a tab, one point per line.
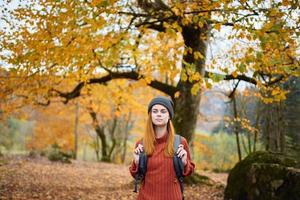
160	182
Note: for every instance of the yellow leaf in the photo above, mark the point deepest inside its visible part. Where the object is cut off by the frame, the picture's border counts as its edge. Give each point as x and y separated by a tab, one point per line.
177	94
217	26
195	89
234	74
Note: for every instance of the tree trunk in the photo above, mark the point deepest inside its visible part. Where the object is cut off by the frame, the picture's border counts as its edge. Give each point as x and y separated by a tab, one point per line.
187	104
236	129
100	132
281	125
274	128
257	126
267	129
76	130
244	146
97	148
128	126
113	138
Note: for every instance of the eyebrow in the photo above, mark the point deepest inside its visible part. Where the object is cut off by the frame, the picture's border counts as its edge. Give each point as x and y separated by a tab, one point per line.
160	109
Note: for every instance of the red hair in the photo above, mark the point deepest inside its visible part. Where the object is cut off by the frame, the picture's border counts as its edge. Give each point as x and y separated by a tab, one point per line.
149	138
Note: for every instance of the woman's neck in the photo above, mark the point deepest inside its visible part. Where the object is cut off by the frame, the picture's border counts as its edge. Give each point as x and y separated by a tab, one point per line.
160	131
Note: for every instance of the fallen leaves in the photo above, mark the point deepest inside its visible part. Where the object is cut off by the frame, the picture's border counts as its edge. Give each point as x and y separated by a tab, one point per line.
24	178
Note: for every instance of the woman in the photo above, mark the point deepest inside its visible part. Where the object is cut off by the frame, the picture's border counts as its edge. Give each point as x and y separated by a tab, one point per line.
160	182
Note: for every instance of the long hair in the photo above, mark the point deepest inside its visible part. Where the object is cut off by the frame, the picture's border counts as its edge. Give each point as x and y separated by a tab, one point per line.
149	138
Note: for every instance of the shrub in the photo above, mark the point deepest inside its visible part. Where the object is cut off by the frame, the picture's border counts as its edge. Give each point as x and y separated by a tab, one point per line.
56	154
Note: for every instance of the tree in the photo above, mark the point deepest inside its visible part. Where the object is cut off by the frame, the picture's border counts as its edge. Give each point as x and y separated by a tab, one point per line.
113	116
162	43
243	119
291	116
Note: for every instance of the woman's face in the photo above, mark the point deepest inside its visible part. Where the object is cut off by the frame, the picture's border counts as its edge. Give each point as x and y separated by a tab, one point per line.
159	115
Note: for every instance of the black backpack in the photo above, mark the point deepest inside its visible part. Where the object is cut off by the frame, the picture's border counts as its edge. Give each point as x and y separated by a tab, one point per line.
177	162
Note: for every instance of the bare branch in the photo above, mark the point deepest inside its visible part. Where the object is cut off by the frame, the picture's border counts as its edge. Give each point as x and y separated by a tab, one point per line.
246	78
234	89
168	89
231	77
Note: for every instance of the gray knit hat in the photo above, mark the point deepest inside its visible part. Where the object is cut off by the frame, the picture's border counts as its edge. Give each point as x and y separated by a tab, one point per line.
164	101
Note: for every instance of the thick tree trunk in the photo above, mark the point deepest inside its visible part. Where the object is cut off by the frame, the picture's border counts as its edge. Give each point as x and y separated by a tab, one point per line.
76	130
274	127
187	104
280	127
186	109
100	132
257	125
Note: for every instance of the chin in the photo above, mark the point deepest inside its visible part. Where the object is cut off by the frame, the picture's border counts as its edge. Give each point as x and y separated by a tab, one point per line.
160	124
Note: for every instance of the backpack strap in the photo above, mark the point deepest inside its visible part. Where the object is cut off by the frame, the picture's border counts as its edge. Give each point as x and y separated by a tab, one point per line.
178	164
142	169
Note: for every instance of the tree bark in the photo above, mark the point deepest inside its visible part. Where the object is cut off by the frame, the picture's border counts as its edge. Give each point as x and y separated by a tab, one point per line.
236	129
113	138
280	127
97	148
128	126
76	130
100	132
187	105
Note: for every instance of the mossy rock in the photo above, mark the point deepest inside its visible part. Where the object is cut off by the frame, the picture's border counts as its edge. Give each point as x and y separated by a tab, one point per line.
264	175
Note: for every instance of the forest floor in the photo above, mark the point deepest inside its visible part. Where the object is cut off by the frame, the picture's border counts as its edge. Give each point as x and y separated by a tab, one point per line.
37	178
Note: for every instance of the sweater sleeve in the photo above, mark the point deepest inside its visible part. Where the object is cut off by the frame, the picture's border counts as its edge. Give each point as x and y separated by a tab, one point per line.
133	167
190	166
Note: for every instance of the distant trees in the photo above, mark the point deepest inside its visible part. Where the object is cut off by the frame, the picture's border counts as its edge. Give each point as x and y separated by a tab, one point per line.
275	124
13	134
291	116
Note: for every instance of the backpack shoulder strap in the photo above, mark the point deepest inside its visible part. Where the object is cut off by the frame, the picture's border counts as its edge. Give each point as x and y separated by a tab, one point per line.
142	168
177	162
177	142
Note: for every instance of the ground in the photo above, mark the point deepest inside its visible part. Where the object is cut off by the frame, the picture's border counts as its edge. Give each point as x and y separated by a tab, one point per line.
37	178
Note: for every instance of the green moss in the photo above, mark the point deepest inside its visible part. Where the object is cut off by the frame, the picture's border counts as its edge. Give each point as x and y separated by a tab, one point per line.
258	165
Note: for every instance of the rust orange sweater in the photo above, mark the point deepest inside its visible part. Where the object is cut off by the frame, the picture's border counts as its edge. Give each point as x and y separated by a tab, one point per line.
160	182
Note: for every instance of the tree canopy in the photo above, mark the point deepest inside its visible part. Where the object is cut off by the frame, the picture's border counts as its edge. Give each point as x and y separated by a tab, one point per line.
160	43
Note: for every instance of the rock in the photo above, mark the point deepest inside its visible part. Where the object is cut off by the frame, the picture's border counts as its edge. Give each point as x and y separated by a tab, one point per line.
264	176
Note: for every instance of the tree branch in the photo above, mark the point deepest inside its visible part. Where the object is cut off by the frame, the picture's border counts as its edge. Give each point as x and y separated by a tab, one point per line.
234	89
163	87
231	77
244	78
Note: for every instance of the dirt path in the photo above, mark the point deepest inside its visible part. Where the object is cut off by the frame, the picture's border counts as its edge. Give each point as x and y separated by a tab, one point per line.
24	178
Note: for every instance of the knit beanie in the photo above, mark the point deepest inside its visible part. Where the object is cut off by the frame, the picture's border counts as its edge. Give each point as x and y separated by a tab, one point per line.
164	101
